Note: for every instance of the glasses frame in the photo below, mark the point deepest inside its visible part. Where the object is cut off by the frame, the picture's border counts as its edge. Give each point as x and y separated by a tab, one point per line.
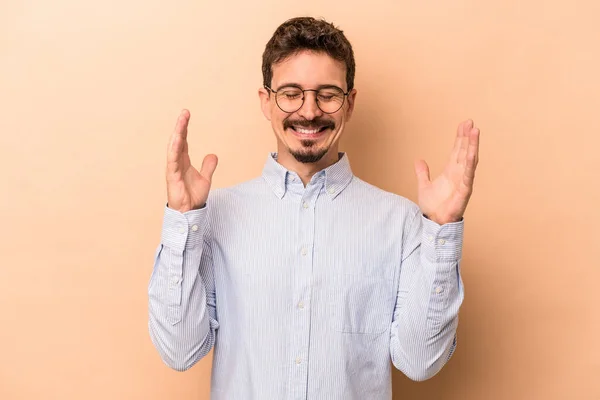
304	97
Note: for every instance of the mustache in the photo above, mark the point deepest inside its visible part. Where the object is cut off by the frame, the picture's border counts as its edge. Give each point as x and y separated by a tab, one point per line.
312	124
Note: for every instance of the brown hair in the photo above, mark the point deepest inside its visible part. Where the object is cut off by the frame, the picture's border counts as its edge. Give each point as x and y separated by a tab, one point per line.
307	33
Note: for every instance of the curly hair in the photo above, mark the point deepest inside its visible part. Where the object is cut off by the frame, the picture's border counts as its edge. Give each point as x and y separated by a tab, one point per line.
307	33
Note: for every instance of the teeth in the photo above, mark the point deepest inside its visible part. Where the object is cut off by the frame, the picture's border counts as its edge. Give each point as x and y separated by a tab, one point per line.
307	131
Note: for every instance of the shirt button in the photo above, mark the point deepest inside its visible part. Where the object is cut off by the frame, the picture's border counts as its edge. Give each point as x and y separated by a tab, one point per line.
180	228
439	289
430	238
305	205
441	241
331	190
304	251
301	305
298	360
195	228
293	179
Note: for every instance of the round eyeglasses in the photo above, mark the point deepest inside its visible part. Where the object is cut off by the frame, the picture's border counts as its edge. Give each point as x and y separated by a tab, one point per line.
291	98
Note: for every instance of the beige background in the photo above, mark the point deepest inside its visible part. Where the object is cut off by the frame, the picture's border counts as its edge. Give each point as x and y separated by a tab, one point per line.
89	93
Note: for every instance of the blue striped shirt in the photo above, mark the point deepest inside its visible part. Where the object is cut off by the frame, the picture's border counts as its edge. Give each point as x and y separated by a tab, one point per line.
306	292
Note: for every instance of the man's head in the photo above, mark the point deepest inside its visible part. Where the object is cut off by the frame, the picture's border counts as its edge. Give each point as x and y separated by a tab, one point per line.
308	94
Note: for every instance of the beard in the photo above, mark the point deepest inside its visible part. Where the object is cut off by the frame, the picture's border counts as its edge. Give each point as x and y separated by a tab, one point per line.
309	153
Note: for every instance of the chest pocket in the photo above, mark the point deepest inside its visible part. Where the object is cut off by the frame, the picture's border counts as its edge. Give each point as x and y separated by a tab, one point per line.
364	299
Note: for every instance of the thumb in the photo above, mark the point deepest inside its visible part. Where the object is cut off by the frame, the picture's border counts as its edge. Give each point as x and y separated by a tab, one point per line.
209	164
422	171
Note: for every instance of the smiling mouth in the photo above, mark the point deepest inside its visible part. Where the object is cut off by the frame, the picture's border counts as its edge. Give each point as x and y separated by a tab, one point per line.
309	131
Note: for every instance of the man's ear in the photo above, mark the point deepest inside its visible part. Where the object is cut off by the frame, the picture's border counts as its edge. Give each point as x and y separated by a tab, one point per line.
265	102
351	99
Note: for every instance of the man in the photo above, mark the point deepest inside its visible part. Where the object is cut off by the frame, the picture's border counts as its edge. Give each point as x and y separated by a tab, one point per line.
307	280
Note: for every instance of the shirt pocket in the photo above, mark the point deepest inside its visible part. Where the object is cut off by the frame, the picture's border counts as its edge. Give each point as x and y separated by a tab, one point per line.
364	299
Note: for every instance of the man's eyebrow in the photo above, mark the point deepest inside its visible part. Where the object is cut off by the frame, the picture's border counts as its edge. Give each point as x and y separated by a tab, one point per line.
323	86
329	86
289	84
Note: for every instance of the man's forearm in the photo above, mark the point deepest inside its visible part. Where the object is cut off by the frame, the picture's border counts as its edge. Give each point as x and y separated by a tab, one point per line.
423	333
182	316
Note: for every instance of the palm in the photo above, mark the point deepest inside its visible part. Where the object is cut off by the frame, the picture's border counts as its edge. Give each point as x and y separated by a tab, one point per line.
445	198
187	188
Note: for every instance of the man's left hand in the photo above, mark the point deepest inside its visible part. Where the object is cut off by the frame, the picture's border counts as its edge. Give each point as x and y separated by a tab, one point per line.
444	200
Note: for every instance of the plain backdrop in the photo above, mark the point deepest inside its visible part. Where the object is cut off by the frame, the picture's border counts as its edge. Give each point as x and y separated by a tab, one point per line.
89	94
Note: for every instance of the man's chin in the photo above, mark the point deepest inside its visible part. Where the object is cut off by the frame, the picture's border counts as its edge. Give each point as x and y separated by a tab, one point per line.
310	156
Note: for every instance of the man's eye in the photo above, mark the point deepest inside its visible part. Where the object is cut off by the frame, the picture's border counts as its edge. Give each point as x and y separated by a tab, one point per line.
325	97
291	95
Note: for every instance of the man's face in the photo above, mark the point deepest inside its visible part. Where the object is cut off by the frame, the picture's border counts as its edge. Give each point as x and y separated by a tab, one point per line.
308	133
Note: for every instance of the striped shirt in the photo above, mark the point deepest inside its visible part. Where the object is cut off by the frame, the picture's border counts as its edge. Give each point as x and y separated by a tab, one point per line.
306	292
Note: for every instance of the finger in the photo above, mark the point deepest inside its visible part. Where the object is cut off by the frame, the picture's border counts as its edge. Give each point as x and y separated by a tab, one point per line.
457	142
178	137
185	115
422	172
472	156
473	150
176	149
464	144
209	164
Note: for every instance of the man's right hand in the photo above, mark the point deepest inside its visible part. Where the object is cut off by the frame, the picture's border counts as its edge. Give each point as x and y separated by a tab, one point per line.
187	189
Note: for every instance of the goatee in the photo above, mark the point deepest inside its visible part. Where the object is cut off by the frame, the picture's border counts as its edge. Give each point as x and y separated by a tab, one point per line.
307	155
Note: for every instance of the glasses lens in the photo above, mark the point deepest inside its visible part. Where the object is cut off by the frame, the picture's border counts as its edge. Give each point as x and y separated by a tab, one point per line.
330	99
289	99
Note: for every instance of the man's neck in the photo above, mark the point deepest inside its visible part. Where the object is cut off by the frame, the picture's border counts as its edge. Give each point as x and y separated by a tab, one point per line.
306	170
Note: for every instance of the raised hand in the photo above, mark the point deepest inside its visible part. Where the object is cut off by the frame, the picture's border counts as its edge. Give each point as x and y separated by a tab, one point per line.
445	199
187	189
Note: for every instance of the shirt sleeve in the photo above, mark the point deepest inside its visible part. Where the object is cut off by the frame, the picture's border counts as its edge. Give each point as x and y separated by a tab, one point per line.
181	292
430	293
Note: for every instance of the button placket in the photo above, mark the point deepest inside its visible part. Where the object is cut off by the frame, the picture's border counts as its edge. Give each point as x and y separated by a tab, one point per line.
301	296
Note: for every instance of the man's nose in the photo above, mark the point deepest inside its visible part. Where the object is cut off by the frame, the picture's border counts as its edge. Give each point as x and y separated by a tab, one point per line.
310	110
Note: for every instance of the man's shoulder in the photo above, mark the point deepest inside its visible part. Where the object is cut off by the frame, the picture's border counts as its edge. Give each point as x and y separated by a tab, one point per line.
248	187
381	197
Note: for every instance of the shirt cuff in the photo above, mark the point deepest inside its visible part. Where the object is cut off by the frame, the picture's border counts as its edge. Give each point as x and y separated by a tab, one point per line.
442	243
183	230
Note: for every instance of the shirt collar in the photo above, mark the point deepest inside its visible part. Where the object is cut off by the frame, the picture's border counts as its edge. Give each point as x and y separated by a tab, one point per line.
337	176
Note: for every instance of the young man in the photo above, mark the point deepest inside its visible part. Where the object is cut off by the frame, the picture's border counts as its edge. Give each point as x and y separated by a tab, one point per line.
307	280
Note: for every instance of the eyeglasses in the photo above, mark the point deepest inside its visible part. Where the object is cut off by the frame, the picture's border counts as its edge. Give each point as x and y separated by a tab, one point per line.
291	98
